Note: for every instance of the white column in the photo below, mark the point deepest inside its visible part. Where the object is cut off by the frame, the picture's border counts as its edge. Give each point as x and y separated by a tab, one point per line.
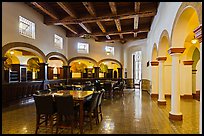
200	129
154	79
161	84
175	92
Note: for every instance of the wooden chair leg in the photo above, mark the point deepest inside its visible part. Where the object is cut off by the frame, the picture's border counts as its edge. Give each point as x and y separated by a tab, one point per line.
100	111
37	123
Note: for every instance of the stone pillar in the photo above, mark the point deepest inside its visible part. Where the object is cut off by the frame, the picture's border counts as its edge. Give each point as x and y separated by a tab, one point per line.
43	71
198	35
154	64
110	73
161	99
187	74
194	82
175	113
120	72
65	72
96	69
69	72
3	74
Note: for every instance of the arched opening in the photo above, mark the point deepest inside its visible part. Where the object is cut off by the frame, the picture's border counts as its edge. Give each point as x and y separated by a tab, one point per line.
21	65
163	52
109	68
56	62
82	67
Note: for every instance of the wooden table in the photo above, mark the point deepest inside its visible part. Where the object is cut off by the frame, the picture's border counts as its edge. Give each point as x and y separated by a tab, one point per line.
78	96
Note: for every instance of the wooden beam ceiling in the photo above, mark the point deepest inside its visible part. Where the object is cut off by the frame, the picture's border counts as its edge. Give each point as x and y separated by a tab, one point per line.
69	20
71	12
126	21
52	14
136	18
91	10
117	21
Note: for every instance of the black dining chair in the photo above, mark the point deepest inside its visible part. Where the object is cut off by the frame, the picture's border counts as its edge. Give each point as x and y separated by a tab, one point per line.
90	109
66	112
107	86
45	111
45	91
99	103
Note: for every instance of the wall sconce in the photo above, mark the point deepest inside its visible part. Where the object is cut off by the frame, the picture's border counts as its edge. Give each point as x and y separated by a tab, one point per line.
194	40
108	53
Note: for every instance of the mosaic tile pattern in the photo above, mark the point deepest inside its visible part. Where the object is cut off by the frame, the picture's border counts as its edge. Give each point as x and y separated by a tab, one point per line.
134	113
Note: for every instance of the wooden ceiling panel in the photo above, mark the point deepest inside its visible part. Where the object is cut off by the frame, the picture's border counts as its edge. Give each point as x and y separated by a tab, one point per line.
118	20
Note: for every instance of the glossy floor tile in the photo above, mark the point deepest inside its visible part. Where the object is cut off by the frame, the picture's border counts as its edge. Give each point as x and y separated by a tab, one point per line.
134	113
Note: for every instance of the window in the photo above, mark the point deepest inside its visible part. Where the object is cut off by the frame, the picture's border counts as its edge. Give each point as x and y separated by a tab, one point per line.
83	48
26	27
109	50
58	42
137	70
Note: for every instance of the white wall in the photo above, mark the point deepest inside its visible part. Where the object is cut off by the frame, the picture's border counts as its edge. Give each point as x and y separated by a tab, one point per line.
167	78
130	48
96	49
44	34
198	75
162	21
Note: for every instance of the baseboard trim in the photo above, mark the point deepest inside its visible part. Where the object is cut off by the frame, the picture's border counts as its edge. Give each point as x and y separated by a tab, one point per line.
175	117
161	102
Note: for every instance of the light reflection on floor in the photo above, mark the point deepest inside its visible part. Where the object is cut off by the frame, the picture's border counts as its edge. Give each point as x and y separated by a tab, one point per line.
134	113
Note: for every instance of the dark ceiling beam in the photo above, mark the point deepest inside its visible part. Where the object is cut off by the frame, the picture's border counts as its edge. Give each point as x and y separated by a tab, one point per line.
91	10
116	39
42	6
67	8
69	20
141	30
71	28
122	32
136	18
117	21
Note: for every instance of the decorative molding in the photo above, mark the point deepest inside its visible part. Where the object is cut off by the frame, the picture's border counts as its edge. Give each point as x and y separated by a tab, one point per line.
176	50
161	102
154	95
175	117
187	96
154	63
198	33
188	62
161	58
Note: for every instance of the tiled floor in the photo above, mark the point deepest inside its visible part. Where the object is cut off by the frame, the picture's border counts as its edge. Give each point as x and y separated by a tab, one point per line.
134	113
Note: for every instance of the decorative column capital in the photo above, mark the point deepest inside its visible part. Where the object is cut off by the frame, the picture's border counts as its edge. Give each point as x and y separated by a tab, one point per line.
188	62
161	58
198	33
154	63
176	50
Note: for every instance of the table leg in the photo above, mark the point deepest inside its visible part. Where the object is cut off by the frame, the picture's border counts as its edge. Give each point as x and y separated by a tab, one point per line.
81	122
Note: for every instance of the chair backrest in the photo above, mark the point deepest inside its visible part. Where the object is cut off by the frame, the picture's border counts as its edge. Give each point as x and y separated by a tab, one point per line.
94	100
107	86
44	104
60	87
64	104
100	97
69	87
40	92
88	88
